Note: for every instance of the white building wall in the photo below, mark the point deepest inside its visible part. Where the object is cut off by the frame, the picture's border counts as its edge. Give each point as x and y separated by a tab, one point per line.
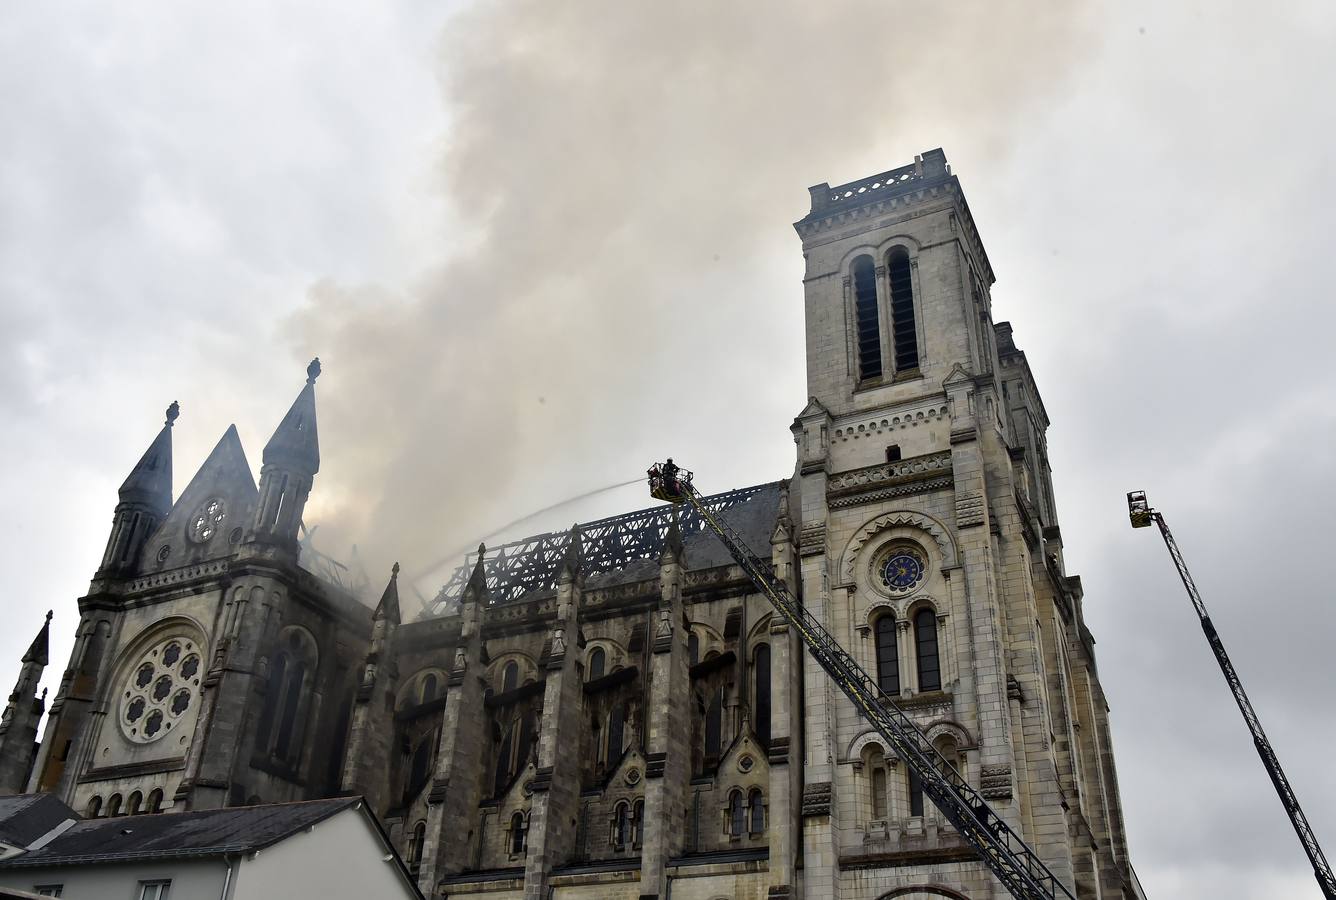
191	880
341	858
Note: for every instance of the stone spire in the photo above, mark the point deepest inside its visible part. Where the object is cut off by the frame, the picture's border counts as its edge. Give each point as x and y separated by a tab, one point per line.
39	649
295	443
145	500
291	460
18	724
571	565
388	608
476	590
150	481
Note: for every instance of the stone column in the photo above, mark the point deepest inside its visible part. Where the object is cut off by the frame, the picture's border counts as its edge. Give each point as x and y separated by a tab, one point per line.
786	655
554	809
667	755
456	790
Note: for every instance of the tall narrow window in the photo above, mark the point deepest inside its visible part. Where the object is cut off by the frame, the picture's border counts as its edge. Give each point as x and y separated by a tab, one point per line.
638	823
757	804
888	659
420	768
866	324
502	778
134	805
597	661
517	833
904	334
925	638
94	807
761	670
693	648
737	814
915	793
714	722
510	677
155	801
114	806
878	793
292	699
415	845
621	827
616	734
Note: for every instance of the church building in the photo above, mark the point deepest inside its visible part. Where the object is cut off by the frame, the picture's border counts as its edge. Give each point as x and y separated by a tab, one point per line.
615	711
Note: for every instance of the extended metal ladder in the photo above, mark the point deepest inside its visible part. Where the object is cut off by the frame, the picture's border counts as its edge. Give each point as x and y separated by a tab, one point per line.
1142	516
1013	862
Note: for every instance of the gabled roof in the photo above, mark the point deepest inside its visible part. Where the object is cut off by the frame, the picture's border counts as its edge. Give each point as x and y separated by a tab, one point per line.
26	817
211	832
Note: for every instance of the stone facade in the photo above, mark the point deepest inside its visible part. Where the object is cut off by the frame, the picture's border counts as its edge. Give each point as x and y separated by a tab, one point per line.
634	720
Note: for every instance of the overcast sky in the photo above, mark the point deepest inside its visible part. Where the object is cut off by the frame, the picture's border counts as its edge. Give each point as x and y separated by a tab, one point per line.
537	245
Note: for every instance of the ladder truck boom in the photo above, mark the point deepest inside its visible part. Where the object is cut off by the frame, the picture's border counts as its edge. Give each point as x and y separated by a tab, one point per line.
1017	866
1142	517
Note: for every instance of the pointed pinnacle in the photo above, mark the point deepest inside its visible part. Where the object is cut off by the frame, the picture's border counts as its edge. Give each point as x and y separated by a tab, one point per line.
394	572
313	371
173	412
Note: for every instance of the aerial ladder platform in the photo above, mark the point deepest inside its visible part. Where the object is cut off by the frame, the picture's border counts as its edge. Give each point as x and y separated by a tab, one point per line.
1014	863
1143	517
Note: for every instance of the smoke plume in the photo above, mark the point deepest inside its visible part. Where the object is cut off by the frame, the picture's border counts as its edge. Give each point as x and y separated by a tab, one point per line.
619	280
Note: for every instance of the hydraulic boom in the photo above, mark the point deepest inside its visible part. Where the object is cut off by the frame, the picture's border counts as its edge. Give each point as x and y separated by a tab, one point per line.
1142	516
1017	866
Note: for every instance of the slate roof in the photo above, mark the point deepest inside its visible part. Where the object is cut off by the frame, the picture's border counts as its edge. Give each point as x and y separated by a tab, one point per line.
26	817
211	832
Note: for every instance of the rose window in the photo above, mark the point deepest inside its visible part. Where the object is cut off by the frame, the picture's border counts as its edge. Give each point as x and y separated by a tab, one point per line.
160	690
207	520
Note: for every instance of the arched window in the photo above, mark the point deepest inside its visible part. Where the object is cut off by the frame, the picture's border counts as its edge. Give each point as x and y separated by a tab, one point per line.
287	697
866	321
888	657
714	724
510	676
155	801
638	823
94	807
761	671
879	793
621	825
925	639
135	804
415	846
904	335
598	660
757	804
915	792
427	692
517	834
114	806
693	648
737	814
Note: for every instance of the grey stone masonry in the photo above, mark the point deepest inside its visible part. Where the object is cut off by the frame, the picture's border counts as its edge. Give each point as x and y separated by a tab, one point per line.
457	781
555	802
18	724
667	754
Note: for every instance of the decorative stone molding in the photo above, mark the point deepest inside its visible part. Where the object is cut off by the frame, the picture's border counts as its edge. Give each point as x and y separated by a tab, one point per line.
778	752
812	540
969	509
933	413
888	493
995	782
654	764
816	799
906	518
